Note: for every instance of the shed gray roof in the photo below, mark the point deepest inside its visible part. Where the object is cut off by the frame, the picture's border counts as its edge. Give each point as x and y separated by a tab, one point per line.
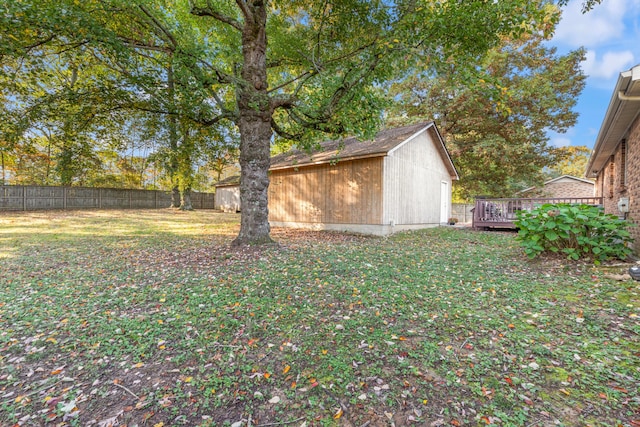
352	148
229	181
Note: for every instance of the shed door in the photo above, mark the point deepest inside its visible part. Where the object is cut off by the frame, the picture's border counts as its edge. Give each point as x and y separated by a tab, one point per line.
444	202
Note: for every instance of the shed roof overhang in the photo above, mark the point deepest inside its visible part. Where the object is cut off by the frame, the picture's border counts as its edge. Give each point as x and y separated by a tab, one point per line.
623	109
386	142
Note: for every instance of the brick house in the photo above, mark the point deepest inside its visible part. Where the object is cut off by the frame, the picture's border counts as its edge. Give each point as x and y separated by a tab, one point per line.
615	161
564	186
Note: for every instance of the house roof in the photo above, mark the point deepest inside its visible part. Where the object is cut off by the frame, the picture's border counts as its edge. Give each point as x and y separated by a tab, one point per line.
560	178
351	148
229	181
623	109
575	178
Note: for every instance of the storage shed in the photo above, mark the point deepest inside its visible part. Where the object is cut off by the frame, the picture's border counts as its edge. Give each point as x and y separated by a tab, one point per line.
398	181
227	197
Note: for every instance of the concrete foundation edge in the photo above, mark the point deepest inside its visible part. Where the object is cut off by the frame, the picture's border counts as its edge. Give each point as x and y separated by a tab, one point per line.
373	229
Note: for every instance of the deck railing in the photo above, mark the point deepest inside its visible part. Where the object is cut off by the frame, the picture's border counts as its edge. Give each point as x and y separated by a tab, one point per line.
501	213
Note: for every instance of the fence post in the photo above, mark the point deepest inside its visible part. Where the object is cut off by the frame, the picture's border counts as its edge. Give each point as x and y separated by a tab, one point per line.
24	197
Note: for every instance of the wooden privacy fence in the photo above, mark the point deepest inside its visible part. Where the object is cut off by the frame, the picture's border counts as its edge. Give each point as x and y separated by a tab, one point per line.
32	197
501	213
463	212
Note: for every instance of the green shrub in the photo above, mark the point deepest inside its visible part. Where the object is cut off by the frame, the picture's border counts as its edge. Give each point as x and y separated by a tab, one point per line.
578	231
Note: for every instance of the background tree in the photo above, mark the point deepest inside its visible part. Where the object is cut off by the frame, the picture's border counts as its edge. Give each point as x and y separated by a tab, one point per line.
71	78
587	5
495	120
572	160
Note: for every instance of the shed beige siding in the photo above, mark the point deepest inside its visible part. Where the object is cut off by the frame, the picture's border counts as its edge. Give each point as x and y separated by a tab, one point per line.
349	192
413	176
227	198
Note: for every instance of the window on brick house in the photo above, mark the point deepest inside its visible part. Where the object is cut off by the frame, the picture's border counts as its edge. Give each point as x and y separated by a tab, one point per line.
623	163
611	175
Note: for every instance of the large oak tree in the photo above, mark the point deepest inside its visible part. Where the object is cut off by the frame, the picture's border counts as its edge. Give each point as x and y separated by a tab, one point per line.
496	119
291	68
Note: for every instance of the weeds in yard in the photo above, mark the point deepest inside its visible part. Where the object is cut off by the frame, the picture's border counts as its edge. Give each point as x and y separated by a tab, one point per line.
162	323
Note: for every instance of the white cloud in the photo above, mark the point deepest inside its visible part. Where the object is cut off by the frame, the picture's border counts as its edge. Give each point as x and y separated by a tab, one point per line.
601	25
611	64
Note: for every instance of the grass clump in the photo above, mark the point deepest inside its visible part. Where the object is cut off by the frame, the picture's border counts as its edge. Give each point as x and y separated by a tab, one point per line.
577	231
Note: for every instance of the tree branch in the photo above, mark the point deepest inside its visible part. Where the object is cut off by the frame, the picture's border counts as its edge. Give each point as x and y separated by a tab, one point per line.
310	123
221	76
159	25
282	101
224	116
293	80
210	12
320	120
70	46
283	133
248	15
39	43
319	66
137	44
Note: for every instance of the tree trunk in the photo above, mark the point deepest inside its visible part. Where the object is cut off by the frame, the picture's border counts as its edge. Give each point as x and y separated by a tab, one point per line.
175	197
48	160
3	173
185	205
65	167
254	124
173	144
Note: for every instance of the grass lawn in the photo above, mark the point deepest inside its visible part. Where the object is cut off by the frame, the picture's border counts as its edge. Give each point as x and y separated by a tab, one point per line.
149	318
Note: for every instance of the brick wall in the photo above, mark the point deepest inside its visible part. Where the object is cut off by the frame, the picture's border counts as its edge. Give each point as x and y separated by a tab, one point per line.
612	183
633	178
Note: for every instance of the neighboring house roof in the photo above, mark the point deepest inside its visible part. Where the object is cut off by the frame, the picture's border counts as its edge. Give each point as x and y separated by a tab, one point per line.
229	181
623	109
575	178
351	148
560	178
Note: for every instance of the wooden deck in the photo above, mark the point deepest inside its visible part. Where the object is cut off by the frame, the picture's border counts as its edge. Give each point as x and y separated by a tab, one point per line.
501	213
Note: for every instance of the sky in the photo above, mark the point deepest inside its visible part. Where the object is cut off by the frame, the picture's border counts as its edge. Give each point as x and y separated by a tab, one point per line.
610	33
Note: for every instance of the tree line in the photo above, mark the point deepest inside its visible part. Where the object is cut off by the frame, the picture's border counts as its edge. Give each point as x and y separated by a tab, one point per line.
150	92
